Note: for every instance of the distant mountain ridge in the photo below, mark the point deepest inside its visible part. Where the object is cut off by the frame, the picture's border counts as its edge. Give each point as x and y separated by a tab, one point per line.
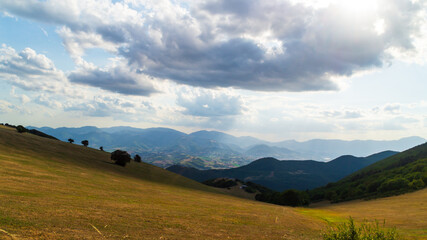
282	175
211	149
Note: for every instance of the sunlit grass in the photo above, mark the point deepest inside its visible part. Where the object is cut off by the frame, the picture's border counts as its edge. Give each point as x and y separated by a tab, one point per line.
56	190
408	213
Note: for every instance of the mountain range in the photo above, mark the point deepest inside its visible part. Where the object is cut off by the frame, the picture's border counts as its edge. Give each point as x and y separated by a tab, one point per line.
282	175
165	147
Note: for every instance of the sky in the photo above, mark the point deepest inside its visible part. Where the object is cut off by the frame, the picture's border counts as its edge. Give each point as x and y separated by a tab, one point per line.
276	70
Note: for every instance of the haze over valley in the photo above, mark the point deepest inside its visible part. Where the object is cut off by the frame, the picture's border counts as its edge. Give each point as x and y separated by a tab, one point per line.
211	149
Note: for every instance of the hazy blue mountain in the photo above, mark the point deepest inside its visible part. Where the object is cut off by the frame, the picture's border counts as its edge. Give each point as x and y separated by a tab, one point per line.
281	175
242	142
263	150
160	146
211	149
320	149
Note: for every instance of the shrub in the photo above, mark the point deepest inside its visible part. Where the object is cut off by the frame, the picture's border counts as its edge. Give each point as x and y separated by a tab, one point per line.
373	186
70	140
293	198
85	143
416	184
424	177
21	129
120	157
393	184
366	231
137	158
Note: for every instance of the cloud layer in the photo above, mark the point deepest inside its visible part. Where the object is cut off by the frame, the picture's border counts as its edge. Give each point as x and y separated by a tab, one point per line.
257	45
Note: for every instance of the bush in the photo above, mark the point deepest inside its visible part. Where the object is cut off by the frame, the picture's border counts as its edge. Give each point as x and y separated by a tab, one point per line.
424	177
293	198
85	143
417	184
373	186
120	157
366	231
21	129
393	184
137	158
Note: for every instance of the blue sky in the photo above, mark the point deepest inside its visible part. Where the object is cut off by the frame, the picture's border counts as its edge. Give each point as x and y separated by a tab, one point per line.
280	69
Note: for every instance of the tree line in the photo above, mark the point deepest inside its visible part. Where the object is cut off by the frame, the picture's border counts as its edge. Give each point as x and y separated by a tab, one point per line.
119	157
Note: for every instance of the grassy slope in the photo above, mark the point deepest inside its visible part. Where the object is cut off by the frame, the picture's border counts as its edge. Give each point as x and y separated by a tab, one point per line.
56	190
407	212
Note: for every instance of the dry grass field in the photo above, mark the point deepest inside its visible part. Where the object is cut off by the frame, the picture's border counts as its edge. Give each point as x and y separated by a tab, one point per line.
407	212
56	190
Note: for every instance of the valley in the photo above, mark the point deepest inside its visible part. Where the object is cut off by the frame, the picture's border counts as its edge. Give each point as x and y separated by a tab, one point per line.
204	150
57	190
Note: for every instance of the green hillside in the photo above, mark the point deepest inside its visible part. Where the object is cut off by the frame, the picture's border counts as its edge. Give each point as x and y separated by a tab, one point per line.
289	174
56	190
401	173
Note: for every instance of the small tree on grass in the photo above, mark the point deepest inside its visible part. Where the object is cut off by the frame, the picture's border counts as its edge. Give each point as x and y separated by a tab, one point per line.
85	143
101	148
137	158
21	129
120	157
70	140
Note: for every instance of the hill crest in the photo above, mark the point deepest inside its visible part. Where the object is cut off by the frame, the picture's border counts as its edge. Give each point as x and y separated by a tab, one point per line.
290	174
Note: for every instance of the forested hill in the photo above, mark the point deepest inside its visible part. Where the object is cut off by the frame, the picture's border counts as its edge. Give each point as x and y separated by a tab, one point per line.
401	173
282	175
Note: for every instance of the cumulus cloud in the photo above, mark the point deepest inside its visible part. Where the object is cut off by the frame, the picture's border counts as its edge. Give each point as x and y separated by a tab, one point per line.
35	72
29	70
232	43
48	101
6	107
344	114
392	108
210	104
116	78
103	106
352	114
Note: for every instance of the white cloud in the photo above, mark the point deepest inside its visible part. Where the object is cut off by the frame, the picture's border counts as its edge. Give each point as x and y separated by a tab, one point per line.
103	106
393	108
30	71
6	107
118	77
208	103
224	43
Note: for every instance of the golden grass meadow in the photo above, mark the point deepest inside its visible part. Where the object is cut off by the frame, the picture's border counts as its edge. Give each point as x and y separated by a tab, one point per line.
56	190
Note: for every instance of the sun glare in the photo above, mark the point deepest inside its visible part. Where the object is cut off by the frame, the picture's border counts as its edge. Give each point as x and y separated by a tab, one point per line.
359	6
355	6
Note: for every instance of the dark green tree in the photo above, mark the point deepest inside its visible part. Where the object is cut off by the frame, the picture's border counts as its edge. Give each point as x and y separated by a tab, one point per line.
21	129
137	158
70	140
85	143
120	157
101	148
293	198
